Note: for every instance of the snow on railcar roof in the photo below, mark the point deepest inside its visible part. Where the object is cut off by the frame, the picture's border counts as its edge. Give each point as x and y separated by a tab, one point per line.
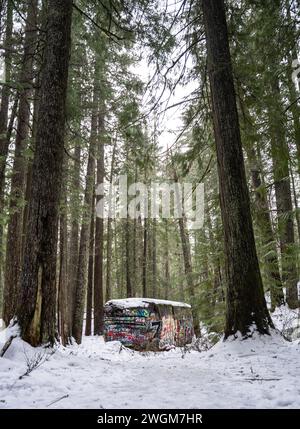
144	302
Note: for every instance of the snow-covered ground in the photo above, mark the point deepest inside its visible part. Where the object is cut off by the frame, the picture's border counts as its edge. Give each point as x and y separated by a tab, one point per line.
262	372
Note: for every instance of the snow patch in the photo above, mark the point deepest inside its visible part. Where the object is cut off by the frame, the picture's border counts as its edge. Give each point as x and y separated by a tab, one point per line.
260	372
287	321
144	302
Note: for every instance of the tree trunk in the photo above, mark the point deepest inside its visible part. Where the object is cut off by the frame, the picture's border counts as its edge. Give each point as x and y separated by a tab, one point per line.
29	172
84	246
186	252
109	231
213	249
2	3
128	259
145	257
4	142
118	262
280	158
108	260
295	109
295	203
37	314
81	279
64	327
265	227
74	235
139	255
4	154
98	269
167	262
89	295
293	96
246	306
187	260
154	262
2	205
41	21
15	223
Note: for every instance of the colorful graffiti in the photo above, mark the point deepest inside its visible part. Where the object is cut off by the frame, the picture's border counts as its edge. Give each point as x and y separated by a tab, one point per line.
157	327
133	327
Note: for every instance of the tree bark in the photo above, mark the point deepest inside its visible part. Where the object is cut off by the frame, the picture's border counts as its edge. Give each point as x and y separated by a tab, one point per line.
89	295
64	327
167	262
74	234
295	202
84	246
81	279
294	104
98	269
5	94
280	158
2	204
187	259
109	231
246	306
15	222
37	314
154	261
41	41
29	169
145	258
265	227
129	293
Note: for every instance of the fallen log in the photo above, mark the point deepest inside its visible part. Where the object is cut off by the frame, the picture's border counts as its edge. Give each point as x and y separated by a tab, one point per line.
6	345
57	400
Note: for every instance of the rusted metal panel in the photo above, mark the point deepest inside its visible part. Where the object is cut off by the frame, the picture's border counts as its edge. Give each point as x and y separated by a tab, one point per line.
156	325
168	327
184	326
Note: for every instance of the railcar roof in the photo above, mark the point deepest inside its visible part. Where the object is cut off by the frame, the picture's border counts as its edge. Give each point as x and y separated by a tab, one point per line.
144	302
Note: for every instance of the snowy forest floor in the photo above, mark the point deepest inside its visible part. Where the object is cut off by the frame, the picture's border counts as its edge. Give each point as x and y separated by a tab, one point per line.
261	372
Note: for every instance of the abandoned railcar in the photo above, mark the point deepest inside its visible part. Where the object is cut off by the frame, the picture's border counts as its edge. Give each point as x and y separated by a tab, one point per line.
148	324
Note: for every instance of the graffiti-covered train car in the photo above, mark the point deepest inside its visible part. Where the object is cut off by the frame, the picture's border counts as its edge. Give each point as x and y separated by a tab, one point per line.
148	324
